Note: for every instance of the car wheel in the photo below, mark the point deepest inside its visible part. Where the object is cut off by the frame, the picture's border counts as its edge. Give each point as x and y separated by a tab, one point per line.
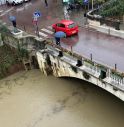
76	33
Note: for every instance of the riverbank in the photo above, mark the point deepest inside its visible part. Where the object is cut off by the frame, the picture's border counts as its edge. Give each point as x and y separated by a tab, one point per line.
9	62
30	99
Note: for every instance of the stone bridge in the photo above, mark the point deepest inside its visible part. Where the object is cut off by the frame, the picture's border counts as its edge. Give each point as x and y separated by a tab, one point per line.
60	62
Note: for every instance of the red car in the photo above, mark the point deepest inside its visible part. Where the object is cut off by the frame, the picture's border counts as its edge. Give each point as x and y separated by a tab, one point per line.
67	26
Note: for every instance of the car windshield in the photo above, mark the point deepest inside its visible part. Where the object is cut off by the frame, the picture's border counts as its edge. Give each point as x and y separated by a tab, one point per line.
71	25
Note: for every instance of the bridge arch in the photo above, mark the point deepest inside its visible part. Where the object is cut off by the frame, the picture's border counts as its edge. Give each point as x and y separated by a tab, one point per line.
66	66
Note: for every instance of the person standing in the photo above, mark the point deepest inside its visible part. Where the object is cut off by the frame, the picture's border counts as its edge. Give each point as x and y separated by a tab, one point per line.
57	40
46	3
14	23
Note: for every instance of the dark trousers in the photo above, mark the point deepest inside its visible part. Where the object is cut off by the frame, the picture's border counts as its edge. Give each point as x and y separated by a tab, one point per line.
46	3
14	23
57	41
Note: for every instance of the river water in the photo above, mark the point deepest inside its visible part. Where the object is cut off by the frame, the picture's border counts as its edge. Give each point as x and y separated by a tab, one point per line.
30	99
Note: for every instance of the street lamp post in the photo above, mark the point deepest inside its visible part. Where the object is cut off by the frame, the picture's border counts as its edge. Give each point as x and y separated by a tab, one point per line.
36	15
92	4
86	2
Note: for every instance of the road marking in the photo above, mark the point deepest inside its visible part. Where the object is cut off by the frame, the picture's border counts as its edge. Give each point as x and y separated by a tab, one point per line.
27	5
4	23
20	9
41	38
50	27
42	34
1	11
24	7
9	10
6	11
48	31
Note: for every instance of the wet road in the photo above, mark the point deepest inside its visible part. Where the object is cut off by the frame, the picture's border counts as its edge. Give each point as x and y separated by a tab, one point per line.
104	49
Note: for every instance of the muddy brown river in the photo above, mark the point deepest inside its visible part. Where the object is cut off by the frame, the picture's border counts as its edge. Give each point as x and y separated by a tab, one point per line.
30	99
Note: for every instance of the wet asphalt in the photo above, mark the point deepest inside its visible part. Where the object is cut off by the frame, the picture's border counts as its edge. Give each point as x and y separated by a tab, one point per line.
105	49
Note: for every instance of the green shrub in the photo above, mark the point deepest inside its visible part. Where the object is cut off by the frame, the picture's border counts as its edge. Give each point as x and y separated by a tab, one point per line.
22	52
4	29
7	58
112	8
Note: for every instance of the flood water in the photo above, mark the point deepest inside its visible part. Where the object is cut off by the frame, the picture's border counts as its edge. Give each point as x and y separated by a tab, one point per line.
30	99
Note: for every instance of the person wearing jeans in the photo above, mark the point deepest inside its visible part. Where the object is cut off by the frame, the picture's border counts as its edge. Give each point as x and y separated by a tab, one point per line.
57	40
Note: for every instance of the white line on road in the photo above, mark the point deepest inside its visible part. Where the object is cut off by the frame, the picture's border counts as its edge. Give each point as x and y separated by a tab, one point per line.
24	7
6	11
9	10
1	10
4	23
48	31
41	38
27	5
50	27
20	9
42	34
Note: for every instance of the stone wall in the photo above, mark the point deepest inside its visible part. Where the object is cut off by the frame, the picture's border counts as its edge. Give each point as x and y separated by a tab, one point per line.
102	25
28	42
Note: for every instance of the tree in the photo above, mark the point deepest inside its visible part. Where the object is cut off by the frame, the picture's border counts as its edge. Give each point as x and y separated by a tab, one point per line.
112	8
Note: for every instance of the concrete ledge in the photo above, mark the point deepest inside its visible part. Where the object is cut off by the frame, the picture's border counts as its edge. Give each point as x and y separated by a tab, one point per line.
93	22
117	33
103	29
107	30
17	34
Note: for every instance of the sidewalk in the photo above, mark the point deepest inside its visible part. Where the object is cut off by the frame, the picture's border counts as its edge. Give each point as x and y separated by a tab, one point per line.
56	11
60	12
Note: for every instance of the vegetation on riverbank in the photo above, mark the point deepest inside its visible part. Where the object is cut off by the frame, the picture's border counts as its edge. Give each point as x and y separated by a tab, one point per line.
112	8
8	59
